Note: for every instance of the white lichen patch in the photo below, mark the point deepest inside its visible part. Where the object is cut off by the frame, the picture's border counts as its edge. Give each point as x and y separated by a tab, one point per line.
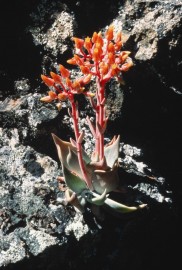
13	251
54	37
77	227
38	241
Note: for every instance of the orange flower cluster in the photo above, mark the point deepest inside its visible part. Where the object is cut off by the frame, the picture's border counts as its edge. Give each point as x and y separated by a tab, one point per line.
63	87
101	57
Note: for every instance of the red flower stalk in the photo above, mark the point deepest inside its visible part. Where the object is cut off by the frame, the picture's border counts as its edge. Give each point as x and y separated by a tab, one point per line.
65	89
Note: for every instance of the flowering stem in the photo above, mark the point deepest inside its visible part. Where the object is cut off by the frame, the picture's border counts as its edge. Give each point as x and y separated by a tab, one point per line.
97	142
101	133
101	120
78	144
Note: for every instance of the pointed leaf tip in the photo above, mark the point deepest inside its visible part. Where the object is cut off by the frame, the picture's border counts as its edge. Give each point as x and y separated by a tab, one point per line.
121	208
55	138
95	198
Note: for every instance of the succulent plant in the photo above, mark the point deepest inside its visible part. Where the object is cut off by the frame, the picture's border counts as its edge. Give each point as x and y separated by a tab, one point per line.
102	174
90	178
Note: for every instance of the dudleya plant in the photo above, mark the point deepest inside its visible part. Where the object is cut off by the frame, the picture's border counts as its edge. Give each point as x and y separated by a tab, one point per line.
90	178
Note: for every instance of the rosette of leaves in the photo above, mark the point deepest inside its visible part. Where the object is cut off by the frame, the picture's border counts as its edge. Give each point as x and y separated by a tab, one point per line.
103	176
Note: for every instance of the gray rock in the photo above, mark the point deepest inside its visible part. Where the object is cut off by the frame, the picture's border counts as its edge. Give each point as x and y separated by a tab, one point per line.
28	197
153	28
53	34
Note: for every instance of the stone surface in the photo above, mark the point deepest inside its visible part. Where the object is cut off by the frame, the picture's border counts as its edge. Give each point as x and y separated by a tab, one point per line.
52	34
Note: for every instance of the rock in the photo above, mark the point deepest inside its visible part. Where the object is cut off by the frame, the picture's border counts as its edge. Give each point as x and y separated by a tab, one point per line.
154	28
24	238
55	36
29	212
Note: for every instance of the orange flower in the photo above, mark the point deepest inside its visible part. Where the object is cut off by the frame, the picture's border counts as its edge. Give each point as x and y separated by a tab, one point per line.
127	65
55	77
72	61
98	45
76	85
51	96
69	82
100	39
88	44
59	106
62	96
97	54
111	47
46	99
48	81
109	32
118	45
64	72
78	60
111	58
103	68
84	69
94	37
123	56
87	79
115	70
78	42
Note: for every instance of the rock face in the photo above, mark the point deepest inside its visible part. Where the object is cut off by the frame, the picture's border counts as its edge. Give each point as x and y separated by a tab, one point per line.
38	230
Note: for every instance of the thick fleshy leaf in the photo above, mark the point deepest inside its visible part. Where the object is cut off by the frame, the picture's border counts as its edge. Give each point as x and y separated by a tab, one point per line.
72	161
65	151
104	179
77	201
86	158
74	182
111	152
95	198
121	207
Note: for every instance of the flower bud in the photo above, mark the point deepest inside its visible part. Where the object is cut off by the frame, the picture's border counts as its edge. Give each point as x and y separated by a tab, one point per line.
59	106
84	69
55	77
127	65
103	68
48	81
88	44
111	47
87	79
94	37
52	95
100	39
68	82
90	94
111	58
72	61
62	96
124	55
78	42
109	32
64	72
